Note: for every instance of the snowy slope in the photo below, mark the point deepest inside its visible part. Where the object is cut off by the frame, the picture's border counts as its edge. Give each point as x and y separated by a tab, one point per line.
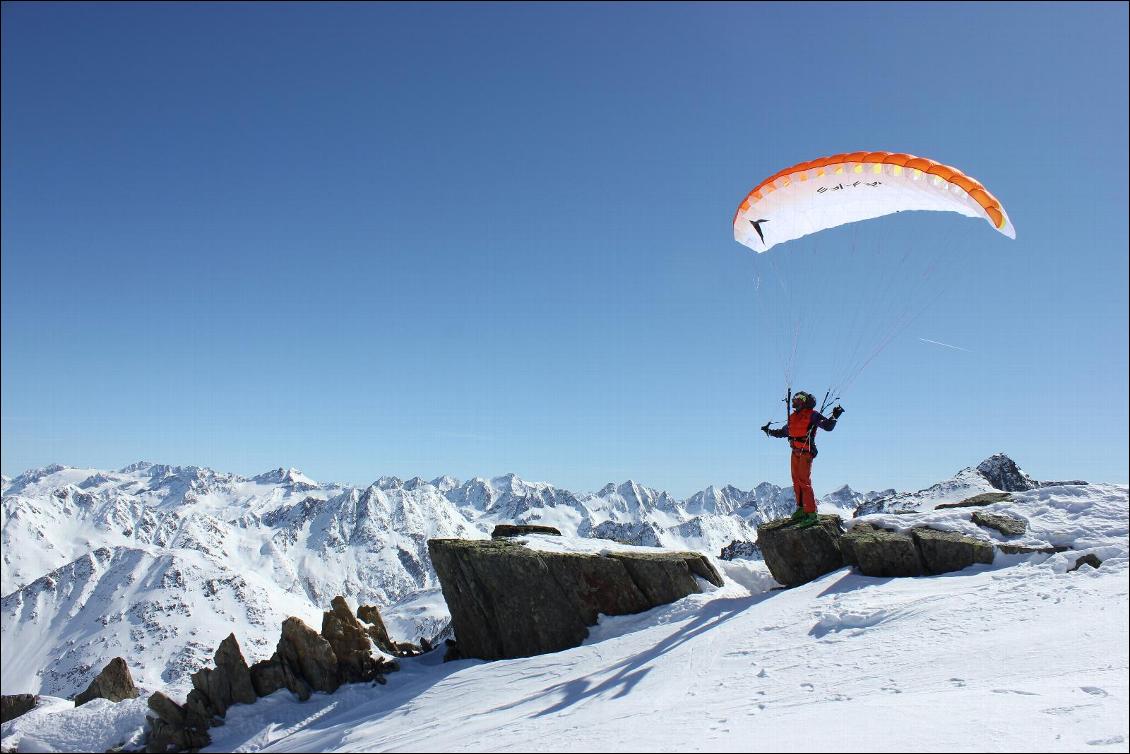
1020	655
158	563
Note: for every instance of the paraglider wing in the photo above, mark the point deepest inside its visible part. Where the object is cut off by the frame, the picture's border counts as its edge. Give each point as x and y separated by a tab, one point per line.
846	188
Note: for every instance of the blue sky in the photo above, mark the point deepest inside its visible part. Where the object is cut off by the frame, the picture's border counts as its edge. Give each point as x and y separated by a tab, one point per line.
474	239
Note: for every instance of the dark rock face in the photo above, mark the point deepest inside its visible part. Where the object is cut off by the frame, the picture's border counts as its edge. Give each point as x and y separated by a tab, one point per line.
517	530
987	498
114	683
1003	473
947	551
1007	525
741	550
509	601
879	552
797	556
14	705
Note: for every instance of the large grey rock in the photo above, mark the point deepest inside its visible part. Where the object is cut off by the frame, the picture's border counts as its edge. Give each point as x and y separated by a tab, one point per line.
796	556
946	551
114	683
1007	525
14	705
880	552
507	600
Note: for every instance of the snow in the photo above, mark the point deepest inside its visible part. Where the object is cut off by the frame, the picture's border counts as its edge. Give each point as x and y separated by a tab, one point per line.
1017	655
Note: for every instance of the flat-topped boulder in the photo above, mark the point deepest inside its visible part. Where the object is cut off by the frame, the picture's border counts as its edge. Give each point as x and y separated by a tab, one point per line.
510	600
795	555
881	552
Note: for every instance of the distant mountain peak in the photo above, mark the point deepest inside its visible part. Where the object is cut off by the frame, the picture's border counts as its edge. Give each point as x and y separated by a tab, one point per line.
1003	473
290	477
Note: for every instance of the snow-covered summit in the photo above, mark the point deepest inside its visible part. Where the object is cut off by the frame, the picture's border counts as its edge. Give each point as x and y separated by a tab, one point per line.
292	478
996	473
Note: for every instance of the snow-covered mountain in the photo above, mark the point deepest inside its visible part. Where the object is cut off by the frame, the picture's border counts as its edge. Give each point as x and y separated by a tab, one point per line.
996	473
158	563
1028	653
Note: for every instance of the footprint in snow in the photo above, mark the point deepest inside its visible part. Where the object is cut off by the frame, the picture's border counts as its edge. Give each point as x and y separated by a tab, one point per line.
1093	690
1106	741
1015	691
959	682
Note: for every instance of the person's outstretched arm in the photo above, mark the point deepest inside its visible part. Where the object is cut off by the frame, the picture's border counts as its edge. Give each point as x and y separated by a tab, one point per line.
783	431
825	423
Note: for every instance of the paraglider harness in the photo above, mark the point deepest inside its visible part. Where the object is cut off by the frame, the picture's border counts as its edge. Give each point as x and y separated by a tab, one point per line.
803	444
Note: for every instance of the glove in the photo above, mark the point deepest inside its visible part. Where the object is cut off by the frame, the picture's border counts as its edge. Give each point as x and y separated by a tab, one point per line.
837	411
765	429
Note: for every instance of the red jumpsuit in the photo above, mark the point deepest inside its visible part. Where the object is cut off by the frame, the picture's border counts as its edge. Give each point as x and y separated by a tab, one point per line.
801	431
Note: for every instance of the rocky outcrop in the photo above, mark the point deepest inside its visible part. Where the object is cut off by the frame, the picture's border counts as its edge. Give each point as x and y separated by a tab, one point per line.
14	705
114	683
880	552
304	662
352	645
1010	526
517	530
507	600
986	498
796	556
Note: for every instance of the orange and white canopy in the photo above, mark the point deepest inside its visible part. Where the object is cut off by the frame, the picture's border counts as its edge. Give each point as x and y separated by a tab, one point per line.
847	188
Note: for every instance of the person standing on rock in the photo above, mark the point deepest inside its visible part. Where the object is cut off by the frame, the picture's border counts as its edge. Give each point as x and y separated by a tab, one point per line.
801	434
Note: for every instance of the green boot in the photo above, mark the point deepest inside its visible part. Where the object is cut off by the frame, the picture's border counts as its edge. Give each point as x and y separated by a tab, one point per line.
807	520
798	514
